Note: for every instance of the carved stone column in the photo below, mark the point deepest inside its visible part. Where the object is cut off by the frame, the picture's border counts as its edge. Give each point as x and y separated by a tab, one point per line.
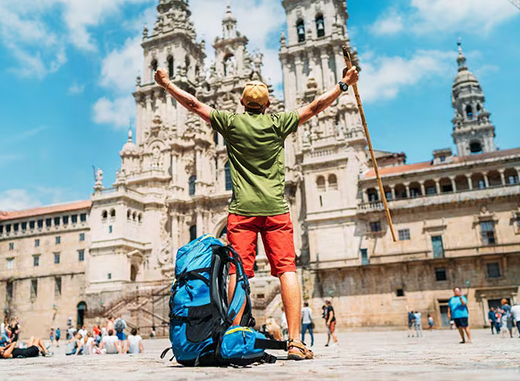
453	184
470	183
502	176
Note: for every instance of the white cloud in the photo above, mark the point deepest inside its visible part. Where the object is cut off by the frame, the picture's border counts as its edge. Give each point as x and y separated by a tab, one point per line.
445	16
17	199
117	112
76	89
119	68
384	77
392	23
37	32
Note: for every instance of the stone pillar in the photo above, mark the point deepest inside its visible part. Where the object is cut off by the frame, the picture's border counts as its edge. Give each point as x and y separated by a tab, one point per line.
379	198
486	180
198	163
438	186
340	62
407	186
453	184
298	64
175	230
392	188
325	72
200	226
470	183
502	176
423	189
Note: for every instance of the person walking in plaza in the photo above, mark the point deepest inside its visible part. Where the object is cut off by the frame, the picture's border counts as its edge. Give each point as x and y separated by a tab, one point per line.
418	323
255	146
324	316
411	324
331	322
58	336
307	323
507	318
430	323
515	311
283	321
458	311
492	318
51	335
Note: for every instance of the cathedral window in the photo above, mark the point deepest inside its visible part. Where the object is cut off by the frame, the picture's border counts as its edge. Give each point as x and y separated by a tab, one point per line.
479	109
372	195
469	112
404	235
191	185
153	67
128	214
229	183
475	147
320	183
170	66
375	226
104	214
140	217
187	63
112	213
300	29
511	176
215	138
333	182
320	26
487	229
134	216
193	232
83	217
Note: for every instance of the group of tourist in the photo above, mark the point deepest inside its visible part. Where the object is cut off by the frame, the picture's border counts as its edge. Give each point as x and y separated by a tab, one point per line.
505	319
415	324
110	339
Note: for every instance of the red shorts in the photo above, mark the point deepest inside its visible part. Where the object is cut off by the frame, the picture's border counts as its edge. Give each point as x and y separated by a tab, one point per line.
277	236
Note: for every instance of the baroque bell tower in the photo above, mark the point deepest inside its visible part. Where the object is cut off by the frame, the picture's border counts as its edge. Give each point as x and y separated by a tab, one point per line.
326	155
473	132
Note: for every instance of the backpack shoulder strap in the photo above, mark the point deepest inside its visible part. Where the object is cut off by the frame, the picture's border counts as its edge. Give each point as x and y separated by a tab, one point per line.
242	292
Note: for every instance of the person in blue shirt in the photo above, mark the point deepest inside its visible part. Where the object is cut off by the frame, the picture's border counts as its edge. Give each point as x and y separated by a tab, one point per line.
458	312
492	317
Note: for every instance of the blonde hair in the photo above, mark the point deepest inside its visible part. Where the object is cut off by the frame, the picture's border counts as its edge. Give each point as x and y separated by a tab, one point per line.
503	301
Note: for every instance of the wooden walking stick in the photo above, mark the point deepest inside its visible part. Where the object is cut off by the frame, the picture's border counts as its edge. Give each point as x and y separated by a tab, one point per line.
348	62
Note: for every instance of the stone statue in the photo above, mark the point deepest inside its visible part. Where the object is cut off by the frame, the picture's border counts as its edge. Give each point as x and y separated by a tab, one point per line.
99	177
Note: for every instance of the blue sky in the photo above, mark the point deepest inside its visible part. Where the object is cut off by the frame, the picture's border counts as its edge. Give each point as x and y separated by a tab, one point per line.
68	67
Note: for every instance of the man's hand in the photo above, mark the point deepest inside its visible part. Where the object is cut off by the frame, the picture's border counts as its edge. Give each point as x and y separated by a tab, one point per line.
162	78
350	76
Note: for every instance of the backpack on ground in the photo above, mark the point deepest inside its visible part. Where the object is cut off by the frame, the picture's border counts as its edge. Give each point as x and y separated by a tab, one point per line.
201	331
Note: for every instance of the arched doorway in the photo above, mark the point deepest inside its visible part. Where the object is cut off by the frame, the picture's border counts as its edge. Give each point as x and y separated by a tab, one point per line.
82	309
133	272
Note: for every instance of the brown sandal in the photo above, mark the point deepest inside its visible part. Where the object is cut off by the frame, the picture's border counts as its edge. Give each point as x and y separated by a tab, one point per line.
302	354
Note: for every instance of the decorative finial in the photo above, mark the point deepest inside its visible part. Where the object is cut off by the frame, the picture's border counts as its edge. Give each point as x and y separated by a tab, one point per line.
145	31
461	59
130	133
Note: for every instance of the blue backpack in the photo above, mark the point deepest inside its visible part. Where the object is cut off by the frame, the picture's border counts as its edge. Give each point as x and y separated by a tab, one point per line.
201	331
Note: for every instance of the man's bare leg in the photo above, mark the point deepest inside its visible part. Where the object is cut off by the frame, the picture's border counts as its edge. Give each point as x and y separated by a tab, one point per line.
291	298
468	334
461	331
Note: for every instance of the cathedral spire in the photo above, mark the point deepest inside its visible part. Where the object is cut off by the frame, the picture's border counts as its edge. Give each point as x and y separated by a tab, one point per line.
229	24
461	59
473	132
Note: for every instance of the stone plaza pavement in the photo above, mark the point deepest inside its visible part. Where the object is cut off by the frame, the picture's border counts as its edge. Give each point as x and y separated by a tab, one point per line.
387	355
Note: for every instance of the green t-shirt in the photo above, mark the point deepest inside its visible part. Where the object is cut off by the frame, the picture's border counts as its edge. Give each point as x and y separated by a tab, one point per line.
255	146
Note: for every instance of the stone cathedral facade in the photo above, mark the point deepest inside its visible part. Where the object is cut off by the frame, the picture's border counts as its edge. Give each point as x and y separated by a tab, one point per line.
457	215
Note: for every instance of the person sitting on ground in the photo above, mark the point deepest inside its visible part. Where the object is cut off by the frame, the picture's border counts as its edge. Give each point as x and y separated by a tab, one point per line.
110	344
4	336
134	343
15	330
34	347
83	332
90	347
255	146
75	345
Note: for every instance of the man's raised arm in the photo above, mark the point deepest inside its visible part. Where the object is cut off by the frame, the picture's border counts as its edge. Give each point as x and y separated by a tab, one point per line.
350	77
186	99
